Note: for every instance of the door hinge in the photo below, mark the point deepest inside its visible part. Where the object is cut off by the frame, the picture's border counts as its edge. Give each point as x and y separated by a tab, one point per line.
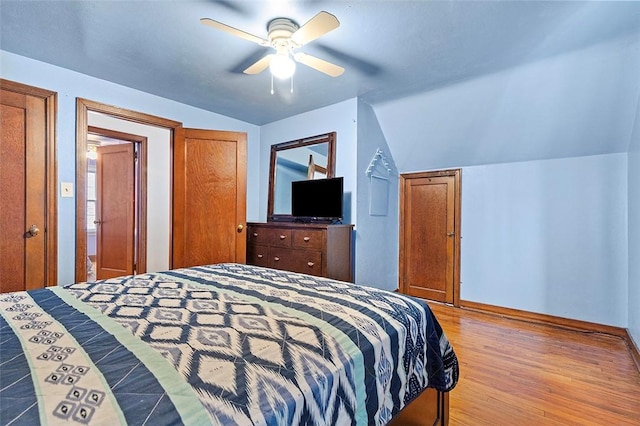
135	156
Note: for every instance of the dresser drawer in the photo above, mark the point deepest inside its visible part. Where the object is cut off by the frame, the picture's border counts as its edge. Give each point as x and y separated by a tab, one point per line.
258	254
308	239
306	262
270	236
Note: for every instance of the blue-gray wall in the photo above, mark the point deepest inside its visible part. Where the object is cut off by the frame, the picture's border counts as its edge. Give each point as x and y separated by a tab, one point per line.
340	118
548	236
634	231
572	105
377	236
543	152
549	147
69	85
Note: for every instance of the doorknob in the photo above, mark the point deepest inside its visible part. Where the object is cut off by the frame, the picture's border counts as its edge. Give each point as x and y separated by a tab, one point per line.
451	234
240	228
97	222
33	231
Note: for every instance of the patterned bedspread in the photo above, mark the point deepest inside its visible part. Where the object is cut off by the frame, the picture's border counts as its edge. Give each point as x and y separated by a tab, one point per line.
223	344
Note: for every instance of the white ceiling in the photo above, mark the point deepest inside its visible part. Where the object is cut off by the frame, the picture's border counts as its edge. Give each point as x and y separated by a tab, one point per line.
390	49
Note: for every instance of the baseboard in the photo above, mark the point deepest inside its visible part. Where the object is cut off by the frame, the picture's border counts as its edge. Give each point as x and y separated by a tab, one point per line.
635	352
572	324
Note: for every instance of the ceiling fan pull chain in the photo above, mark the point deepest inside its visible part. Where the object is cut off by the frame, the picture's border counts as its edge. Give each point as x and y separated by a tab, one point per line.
272	84
291	84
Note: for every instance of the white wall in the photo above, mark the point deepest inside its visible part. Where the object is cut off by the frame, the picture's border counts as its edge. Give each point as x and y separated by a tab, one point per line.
69	85
340	118
548	237
634	231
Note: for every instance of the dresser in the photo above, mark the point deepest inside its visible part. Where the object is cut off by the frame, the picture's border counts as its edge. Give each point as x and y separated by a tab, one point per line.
316	249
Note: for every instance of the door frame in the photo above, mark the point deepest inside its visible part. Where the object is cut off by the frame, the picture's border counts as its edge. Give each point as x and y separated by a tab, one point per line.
140	191
457	178
83	106
51	173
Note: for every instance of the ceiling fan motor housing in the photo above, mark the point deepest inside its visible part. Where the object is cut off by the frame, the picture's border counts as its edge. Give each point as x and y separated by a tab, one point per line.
280	31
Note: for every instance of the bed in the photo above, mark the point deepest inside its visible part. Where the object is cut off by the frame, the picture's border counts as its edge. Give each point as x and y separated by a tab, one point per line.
224	344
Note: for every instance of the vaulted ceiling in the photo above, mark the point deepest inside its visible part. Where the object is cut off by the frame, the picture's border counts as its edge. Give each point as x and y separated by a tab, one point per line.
390	49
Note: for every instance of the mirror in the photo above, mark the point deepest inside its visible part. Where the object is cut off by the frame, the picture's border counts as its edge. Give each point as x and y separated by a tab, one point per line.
308	158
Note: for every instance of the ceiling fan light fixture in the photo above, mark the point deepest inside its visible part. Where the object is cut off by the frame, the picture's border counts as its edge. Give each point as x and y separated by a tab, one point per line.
285	35
282	66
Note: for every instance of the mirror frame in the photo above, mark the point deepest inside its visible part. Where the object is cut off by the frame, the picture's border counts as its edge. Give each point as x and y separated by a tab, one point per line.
329	138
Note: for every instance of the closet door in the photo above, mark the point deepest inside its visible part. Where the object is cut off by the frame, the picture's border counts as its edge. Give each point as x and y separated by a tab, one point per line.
209	184
429	235
28	246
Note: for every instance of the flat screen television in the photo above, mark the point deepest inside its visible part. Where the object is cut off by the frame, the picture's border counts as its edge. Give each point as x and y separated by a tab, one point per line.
318	200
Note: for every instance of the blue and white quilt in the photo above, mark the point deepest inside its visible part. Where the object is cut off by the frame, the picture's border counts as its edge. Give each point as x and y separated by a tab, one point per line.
224	344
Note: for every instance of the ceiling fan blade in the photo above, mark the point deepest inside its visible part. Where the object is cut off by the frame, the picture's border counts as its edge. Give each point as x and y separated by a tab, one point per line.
317	26
319	64
260	65
234	31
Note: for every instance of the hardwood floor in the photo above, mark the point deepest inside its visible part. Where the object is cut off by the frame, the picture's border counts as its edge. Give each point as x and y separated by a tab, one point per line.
514	372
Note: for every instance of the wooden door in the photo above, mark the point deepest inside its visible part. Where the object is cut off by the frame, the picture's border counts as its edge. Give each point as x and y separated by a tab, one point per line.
115	210
429	235
27	188
209	187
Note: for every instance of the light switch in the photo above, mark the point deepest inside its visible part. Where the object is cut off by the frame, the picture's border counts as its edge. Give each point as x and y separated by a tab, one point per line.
66	189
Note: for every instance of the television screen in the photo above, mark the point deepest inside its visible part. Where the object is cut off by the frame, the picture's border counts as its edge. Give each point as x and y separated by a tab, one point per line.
319	199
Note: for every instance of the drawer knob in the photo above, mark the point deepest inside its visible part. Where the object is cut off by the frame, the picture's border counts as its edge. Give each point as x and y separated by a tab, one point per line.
310	264
255	234
306	239
260	256
282	237
276	258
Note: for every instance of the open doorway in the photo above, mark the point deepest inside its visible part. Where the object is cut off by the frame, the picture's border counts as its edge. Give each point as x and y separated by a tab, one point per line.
175	199
160	134
116	203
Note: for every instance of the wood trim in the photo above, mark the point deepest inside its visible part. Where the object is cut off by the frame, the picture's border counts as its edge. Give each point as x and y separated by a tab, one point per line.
129	115
24	89
568	323
633	348
445	408
543	318
82	125
241	196
83	106
424	410
142	208
179	199
51	173
52	193
457	177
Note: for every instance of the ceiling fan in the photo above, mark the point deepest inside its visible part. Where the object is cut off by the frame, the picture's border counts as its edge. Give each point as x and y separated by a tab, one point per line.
284	35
